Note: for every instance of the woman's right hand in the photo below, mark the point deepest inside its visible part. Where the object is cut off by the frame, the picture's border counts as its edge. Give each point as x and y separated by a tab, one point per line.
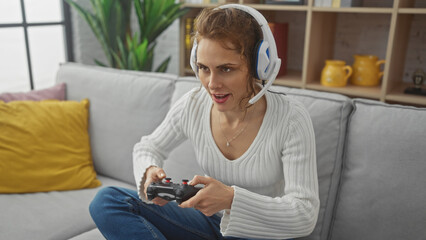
154	174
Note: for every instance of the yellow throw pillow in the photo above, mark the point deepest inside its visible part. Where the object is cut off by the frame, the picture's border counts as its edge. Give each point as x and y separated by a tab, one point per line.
44	146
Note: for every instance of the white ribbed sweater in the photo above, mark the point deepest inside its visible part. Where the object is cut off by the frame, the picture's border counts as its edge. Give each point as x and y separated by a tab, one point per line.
275	181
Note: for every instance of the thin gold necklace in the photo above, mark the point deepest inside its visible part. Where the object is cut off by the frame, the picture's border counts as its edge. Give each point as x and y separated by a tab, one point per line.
228	141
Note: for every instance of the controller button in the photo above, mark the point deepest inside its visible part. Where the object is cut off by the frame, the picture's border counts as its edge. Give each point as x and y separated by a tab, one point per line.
168	180
185	181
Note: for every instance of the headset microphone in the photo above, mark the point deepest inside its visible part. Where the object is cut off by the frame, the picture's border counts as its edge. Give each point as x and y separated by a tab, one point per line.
267	62
276	66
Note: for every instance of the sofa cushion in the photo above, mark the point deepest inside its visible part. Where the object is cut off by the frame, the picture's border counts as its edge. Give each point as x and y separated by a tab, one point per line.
382	193
44	146
125	105
329	113
52	215
93	234
56	92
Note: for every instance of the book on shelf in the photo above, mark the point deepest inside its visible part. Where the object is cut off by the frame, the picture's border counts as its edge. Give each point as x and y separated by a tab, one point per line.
350	3
336	3
286	2
189	28
327	3
280	32
323	3
317	3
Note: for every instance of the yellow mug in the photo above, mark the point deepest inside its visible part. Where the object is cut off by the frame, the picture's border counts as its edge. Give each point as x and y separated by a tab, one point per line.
335	73
366	70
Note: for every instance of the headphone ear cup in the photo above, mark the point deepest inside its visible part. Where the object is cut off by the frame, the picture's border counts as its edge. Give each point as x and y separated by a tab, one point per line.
262	60
256	58
193	58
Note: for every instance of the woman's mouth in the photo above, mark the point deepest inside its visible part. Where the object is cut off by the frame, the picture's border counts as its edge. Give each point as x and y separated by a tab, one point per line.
220	98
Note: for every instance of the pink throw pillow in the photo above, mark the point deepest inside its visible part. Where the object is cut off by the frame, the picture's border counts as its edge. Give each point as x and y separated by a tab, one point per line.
56	92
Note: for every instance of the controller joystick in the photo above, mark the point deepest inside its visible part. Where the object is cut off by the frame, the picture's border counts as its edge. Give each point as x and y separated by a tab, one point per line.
171	191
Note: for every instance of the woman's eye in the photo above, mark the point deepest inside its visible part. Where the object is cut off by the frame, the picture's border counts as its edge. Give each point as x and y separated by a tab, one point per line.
226	69
203	68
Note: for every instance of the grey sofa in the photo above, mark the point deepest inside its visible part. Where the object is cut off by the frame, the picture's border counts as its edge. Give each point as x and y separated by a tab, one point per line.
371	158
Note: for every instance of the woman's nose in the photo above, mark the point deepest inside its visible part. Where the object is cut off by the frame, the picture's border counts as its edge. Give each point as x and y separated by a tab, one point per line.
214	81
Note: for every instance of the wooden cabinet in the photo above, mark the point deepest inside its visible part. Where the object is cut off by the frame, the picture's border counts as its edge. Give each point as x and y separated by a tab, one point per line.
392	30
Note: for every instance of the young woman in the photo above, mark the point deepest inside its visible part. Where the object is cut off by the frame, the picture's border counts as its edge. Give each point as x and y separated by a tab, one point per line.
259	159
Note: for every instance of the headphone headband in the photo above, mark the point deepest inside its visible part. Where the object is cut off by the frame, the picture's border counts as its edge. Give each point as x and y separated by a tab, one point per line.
267	64
263	23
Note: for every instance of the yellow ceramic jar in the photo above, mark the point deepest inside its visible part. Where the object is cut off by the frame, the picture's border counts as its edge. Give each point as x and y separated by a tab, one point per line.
335	73
366	70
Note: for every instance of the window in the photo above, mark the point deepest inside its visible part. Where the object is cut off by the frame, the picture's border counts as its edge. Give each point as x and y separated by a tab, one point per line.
35	38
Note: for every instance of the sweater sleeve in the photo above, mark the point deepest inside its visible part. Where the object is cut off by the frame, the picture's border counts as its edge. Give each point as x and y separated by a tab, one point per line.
295	213
153	149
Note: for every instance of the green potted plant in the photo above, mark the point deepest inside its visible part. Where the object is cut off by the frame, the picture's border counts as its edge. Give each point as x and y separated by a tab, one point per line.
110	22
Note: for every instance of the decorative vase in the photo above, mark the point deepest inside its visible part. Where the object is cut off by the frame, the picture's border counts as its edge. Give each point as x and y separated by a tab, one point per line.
366	70
335	73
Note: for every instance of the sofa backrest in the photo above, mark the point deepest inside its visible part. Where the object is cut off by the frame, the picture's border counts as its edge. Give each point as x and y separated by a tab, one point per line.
382	193
378	194
329	113
124	106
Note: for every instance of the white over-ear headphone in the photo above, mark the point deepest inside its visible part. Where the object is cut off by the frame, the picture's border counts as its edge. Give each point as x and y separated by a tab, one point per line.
267	62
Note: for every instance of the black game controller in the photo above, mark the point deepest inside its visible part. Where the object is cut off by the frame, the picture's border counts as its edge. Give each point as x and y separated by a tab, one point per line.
171	191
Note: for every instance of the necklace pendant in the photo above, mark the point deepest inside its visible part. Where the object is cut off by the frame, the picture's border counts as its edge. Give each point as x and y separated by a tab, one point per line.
227	143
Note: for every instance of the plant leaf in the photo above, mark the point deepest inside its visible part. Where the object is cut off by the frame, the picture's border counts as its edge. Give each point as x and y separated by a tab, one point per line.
163	66
119	61
122	50
100	63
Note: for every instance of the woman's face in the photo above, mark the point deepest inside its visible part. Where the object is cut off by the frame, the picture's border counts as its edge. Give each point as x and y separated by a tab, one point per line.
223	73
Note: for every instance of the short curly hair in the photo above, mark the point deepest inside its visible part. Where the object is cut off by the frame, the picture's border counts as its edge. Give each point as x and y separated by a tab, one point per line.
231	25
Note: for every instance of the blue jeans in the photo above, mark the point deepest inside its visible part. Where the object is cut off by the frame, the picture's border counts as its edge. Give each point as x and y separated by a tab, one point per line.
120	214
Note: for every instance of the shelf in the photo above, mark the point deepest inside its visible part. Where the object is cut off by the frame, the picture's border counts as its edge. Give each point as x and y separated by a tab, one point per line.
352	10
397	95
350	90
265	7
293	78
412	10
272	7
390	29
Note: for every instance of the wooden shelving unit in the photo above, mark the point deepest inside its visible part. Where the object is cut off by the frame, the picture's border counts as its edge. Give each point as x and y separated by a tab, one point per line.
320	24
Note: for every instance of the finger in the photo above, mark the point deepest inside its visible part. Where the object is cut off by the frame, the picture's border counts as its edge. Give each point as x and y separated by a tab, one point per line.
186	204
200	180
146	195
160	174
190	203
145	190
159	201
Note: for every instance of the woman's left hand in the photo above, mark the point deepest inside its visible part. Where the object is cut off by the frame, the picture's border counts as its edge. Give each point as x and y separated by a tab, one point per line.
215	196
